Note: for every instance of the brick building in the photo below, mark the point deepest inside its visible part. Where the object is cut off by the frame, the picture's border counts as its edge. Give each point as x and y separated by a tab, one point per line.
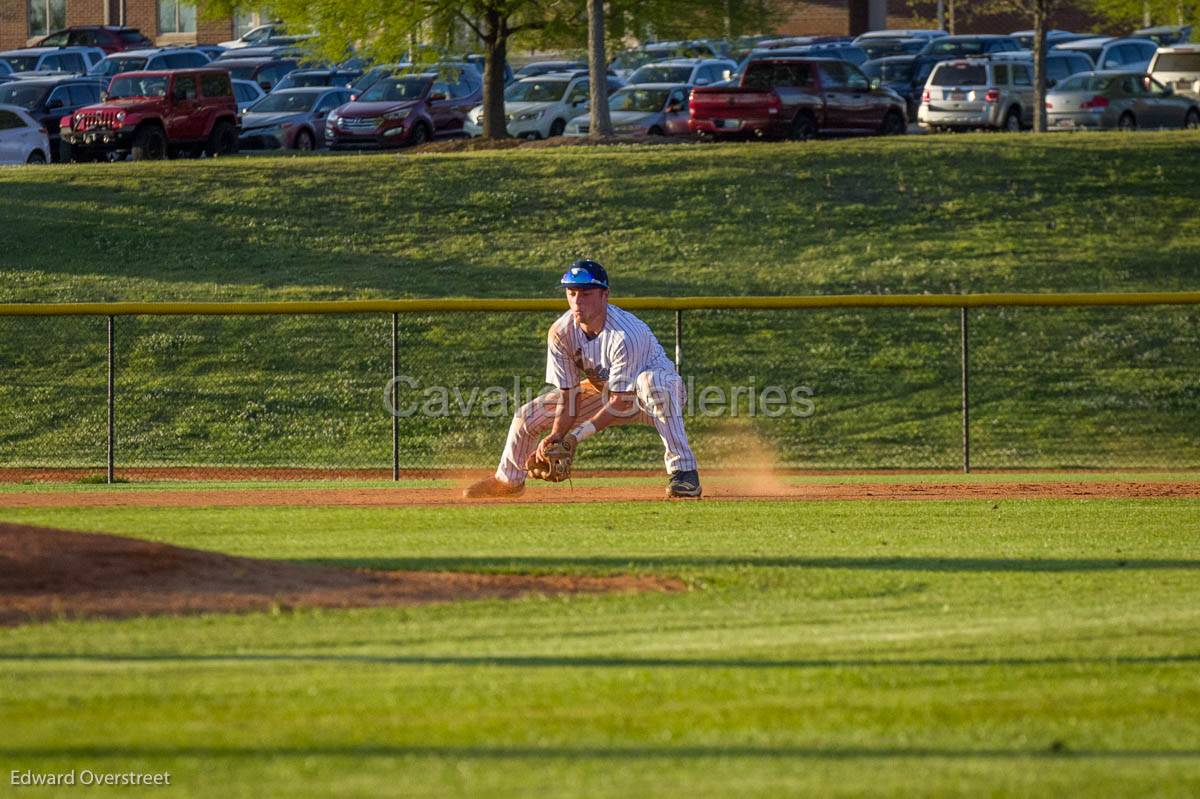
176	22
164	21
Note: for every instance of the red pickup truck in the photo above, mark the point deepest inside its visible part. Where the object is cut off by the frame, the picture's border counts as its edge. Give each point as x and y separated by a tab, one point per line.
797	98
154	115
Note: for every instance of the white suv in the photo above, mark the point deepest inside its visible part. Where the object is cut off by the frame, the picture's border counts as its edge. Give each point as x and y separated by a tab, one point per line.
1178	66
540	107
692	71
978	93
75	60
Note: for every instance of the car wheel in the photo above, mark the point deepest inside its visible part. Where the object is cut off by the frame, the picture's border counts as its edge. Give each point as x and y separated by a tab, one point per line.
419	135
1012	121
304	140
223	140
557	127
804	127
36	157
149	144
893	124
1192	120
1127	122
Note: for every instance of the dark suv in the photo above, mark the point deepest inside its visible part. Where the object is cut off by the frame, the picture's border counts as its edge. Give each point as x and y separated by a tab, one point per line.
266	72
49	99
109	38
153	115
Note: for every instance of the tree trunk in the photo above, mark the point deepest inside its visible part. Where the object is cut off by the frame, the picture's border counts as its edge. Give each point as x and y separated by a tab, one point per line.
495	50
1039	67
601	122
950	26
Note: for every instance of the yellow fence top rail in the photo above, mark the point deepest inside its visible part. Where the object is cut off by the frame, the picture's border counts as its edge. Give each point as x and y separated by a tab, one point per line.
559	304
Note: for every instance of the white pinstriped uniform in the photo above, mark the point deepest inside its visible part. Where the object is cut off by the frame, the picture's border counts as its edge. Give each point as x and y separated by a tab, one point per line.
625	356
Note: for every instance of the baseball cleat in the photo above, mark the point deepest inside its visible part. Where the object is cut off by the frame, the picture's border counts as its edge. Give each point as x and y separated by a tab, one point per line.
492	487
684	484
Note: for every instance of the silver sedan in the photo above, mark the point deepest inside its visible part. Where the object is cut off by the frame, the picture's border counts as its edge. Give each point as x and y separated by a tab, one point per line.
1120	100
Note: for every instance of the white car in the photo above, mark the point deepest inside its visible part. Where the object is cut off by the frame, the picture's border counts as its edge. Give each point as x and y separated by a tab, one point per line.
73	60
256	36
692	71
22	140
1109	53
538	108
1178	66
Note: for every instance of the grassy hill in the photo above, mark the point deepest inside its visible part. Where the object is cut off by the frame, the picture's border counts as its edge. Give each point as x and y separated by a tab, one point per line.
1106	387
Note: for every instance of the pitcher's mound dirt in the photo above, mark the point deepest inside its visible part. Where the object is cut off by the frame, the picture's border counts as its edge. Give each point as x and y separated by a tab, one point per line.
47	573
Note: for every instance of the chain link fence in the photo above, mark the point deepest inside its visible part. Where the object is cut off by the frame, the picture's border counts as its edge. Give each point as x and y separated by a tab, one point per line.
307	396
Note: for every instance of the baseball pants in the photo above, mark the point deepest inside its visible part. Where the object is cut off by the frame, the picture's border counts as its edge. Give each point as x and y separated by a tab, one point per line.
661	398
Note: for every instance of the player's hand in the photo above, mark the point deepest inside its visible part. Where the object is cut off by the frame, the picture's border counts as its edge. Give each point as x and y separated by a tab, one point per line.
546	443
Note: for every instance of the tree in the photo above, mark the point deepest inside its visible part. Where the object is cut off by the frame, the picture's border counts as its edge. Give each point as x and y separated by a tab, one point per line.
601	122
385	29
1039	12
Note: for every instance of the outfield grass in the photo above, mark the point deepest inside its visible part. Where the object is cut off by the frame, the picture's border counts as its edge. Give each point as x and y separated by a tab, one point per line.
1024	648
1113	387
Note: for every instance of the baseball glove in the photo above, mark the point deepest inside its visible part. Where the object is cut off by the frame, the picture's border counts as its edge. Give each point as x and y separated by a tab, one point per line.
555	465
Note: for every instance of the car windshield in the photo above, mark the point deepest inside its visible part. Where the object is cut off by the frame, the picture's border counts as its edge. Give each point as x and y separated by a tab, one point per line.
295	81
396	89
536	91
960	75
660	74
144	86
961	47
278	102
27	97
22	63
1083	83
113	66
1178	62
644	100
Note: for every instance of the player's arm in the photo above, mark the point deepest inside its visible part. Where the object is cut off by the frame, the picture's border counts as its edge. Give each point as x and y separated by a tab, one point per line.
620	405
564	417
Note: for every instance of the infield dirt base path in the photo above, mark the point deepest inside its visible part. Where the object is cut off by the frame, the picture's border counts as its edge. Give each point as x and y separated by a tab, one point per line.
563	493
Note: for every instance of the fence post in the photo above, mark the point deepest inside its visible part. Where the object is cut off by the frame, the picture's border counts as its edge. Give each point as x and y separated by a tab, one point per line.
395	418
112	404
678	339
966	392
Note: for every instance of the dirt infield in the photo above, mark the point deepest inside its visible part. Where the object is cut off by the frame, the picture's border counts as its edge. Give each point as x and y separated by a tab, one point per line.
732	490
47	573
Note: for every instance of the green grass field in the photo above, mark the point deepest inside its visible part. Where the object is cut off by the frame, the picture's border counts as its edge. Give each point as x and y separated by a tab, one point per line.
1108	388
1012	648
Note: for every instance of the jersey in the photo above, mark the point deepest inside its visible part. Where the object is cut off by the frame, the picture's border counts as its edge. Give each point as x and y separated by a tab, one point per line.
614	357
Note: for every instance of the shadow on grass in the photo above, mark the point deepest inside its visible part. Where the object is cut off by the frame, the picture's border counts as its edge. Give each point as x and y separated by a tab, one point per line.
538	564
588	662
1055	750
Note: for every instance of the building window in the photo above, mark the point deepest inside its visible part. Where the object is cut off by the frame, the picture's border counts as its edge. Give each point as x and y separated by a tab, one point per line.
46	16
175	16
245	21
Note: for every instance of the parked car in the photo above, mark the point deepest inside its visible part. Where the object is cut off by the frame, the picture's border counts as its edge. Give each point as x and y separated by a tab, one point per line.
5	67
47	100
627	61
256	36
901	33
159	58
536	68
280	51
968	46
1025	38
539	108
109	38
72	60
213	51
797	98
1178	67
842	52
1060	64
266	72
965	94
303	78
1165	35
1109	53
246	93
692	71
900	74
1120	100
478	61
291	119
153	115
378	73
406	110
22	140
644	109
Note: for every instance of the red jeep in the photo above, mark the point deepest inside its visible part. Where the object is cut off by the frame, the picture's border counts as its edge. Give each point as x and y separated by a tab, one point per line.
797	98
155	115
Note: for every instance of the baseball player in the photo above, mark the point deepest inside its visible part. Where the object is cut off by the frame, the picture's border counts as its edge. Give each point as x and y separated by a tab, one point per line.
607	369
